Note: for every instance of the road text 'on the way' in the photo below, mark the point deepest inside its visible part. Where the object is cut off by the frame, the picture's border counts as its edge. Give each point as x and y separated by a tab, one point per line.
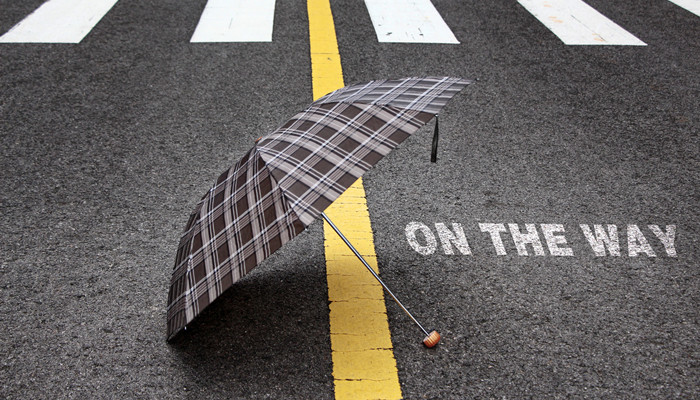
544	239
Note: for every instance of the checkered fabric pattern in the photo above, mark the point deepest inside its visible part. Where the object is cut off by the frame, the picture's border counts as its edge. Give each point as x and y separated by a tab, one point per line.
427	94
289	178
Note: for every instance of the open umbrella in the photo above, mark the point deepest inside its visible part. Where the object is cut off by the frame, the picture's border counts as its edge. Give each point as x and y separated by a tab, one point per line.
286	181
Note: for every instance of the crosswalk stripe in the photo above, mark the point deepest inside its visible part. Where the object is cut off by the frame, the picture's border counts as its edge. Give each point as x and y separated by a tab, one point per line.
235	21
577	23
408	21
691	5
59	21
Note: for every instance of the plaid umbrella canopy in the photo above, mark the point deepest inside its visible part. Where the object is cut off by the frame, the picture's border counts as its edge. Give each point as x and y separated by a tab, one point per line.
287	180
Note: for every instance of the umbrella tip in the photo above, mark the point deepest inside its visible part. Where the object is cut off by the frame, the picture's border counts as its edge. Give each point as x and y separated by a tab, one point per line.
431	340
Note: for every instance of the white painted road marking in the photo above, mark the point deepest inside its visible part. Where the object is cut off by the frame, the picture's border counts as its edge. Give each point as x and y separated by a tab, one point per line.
408	21
691	5
59	21
603	239
577	23
235	21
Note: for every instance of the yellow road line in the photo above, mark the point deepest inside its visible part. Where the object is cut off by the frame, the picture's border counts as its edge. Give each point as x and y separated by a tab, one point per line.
363	359
326	71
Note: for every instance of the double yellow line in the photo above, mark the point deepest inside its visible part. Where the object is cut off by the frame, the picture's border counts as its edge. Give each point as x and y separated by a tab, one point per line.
363	359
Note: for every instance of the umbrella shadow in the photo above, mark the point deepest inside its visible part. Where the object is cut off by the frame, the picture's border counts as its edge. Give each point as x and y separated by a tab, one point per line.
267	335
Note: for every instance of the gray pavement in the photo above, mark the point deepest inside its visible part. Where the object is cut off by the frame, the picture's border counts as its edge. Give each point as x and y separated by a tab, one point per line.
108	144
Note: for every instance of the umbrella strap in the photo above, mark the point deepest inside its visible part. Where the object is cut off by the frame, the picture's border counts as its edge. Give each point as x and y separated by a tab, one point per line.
436	134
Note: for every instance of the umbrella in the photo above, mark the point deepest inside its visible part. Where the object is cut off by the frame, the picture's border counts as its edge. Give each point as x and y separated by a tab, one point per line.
286	181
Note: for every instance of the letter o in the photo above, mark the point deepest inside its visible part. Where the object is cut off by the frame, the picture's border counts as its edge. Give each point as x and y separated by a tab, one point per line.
431	243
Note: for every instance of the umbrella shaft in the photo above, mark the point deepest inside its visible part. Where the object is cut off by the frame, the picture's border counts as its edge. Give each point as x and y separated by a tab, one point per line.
359	256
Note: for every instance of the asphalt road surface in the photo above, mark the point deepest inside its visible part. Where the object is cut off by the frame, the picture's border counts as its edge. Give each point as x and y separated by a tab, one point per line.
552	154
